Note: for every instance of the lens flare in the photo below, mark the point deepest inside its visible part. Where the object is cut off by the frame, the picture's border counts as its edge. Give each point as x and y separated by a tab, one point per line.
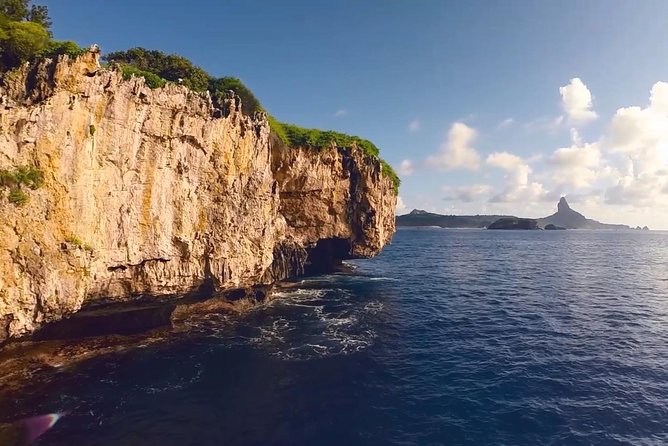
34	427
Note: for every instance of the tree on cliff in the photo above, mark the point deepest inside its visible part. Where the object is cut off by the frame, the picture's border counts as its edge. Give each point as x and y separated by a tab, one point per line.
20	41
168	66
21	10
25	35
219	86
175	68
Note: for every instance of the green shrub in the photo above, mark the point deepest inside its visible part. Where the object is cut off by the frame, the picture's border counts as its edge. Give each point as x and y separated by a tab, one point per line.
22	10
22	176
389	172
7	178
24	32
296	136
91	130
277	129
27	176
56	48
152	80
74	240
220	86
166	66
303	137
17	196
20	42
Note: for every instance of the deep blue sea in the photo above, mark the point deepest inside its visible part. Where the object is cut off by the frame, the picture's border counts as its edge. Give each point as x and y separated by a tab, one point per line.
453	337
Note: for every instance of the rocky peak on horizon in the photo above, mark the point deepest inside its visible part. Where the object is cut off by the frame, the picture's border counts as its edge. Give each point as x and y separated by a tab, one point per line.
563	205
568	218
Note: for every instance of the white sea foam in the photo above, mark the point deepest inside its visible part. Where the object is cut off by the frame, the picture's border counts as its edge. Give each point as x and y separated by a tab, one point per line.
301	324
301	293
374	307
350	265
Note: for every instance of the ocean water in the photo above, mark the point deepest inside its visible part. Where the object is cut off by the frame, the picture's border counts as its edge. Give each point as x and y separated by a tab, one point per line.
453	337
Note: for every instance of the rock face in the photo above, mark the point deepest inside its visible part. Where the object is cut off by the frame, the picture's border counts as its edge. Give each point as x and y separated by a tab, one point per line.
154	192
514	223
570	219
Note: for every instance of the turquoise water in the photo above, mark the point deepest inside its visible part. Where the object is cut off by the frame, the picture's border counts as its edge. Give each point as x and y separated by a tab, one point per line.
454	337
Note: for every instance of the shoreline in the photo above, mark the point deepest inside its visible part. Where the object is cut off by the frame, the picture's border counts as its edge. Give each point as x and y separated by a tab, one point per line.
117	327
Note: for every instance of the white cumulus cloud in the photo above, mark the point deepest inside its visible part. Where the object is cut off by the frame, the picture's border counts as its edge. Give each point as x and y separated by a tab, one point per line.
518	187
340	113
457	151
414	125
401	206
517	170
467	194
640	137
576	100
406	168
576	166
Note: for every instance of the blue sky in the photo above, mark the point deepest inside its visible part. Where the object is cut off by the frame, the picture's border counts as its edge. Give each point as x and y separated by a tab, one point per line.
466	94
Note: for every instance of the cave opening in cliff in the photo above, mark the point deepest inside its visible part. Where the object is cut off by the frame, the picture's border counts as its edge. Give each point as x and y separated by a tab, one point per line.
326	256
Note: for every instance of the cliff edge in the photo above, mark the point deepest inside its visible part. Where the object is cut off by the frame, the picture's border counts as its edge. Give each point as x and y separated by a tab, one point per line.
155	192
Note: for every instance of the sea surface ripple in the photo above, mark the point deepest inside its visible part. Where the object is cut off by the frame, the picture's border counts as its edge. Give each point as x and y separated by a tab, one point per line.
454	337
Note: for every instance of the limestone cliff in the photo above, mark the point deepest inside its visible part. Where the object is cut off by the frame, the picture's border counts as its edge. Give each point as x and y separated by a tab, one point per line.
156	192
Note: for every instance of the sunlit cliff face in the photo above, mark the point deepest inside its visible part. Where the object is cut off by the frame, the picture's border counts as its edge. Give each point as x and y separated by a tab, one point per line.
153	192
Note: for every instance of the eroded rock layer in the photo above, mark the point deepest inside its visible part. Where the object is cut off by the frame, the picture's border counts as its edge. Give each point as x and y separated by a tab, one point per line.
155	192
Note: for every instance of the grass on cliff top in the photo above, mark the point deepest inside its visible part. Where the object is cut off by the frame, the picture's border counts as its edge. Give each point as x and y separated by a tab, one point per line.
159	68
295	136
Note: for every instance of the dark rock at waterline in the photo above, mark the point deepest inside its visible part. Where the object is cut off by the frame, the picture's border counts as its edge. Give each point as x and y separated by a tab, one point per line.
514	223
130	318
552	227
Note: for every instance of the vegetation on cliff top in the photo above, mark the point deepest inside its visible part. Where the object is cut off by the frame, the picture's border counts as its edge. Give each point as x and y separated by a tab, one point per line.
299	136
152	79
25	35
167	67
158	68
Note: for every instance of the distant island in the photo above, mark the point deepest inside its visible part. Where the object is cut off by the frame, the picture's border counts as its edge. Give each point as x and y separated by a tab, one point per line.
514	223
419	217
564	218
